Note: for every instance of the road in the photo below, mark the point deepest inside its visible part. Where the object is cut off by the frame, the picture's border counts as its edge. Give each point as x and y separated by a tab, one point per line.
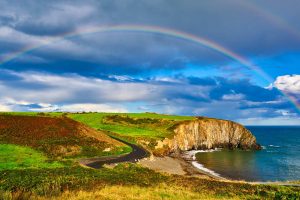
136	154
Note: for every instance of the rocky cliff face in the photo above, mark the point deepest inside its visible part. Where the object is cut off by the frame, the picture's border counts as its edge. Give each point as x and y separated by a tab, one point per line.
206	133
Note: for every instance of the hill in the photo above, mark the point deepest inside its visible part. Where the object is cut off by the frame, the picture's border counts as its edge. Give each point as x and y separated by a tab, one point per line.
162	134
38	160
57	137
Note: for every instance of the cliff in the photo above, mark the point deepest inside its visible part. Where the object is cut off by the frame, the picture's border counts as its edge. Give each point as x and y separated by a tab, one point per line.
207	133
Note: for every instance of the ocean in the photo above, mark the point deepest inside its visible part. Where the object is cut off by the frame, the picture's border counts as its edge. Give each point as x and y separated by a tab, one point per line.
279	160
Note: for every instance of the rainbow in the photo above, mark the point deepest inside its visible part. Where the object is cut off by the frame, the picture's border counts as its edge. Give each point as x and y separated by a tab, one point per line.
272	18
154	30
143	29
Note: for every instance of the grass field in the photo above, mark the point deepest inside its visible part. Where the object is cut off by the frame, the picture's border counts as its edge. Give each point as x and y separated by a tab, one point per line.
127	180
151	129
140	128
18	157
57	137
156	127
30	167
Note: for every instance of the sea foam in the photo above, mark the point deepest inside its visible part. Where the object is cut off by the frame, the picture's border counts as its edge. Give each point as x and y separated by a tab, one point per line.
192	155
202	168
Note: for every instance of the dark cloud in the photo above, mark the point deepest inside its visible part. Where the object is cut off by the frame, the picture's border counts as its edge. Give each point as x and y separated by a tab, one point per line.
249	90
202	81
140	68
249	30
201	96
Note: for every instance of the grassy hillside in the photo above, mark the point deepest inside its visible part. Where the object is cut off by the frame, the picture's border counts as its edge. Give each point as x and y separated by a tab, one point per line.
148	125
34	147
142	128
20	157
127	180
145	125
57	137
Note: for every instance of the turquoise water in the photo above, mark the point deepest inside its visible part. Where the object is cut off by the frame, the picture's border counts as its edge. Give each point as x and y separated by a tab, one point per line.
278	161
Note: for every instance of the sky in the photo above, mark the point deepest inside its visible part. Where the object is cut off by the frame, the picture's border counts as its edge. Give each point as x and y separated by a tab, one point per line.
233	59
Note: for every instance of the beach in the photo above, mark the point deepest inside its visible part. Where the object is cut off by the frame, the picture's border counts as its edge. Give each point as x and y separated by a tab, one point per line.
179	165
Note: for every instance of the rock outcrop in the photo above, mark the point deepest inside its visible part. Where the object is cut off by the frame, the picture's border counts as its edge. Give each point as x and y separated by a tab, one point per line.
207	133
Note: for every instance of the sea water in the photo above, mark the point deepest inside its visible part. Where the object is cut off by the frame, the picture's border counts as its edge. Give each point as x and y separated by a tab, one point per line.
279	160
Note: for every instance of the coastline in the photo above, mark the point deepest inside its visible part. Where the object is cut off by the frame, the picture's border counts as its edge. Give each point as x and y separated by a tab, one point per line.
179	165
190	157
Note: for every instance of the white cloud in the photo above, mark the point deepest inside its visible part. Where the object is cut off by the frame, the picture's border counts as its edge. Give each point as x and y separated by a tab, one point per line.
4	108
80	108
288	83
233	97
92	108
274	121
33	91
59	89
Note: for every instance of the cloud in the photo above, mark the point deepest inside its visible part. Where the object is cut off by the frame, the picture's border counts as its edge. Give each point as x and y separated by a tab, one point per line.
50	88
230	97
80	108
215	97
288	83
274	121
24	24
92	108
4	108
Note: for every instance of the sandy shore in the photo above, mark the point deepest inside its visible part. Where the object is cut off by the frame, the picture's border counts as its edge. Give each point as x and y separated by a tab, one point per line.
164	164
180	165
176	165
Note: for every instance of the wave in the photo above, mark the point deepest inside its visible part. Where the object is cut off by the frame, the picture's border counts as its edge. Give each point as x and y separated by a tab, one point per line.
202	168
271	145
192	153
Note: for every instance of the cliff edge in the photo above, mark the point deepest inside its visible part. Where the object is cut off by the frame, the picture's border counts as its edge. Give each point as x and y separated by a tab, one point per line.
207	133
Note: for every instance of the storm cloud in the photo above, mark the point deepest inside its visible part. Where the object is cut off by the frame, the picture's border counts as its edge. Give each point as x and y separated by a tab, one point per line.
146	71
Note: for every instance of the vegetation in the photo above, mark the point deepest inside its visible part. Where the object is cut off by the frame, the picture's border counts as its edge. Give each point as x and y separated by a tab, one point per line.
147	125
77	182
57	137
142	128
18	157
37	161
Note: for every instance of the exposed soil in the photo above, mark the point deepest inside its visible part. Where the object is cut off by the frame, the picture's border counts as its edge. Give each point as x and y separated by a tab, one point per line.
55	136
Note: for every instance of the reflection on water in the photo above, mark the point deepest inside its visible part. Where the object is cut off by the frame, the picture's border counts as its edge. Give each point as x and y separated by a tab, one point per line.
279	159
230	164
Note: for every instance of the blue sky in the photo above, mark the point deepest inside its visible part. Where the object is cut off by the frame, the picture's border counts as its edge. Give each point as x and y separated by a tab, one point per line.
148	72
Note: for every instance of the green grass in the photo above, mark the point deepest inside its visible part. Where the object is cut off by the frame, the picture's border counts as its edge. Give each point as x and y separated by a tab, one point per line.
146	130
26	172
51	182
95	120
140	128
53	114
18	157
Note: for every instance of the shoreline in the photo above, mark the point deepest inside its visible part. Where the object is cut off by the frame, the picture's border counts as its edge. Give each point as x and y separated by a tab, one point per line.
179	164
190	157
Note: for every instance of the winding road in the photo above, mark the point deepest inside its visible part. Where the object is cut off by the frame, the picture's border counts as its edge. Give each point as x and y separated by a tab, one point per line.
136	154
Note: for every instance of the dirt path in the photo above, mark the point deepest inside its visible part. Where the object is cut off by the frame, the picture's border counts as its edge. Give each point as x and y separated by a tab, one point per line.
135	155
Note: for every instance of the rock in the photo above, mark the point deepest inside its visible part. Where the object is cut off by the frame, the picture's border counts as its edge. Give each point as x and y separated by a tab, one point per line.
107	149
207	133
